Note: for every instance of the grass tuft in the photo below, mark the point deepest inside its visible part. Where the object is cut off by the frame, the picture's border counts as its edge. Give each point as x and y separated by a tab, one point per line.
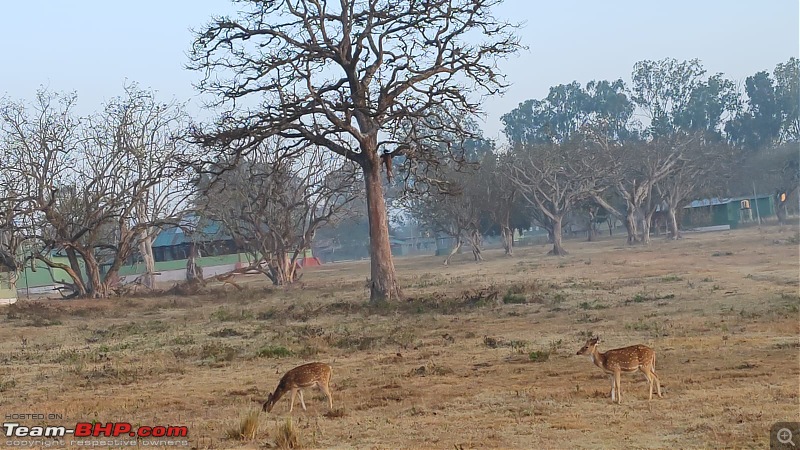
248	427
287	436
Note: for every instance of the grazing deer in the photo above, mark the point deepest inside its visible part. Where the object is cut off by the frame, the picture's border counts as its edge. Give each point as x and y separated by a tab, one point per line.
308	375
626	359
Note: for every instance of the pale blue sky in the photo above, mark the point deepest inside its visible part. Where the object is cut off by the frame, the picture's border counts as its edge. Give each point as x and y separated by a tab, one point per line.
93	46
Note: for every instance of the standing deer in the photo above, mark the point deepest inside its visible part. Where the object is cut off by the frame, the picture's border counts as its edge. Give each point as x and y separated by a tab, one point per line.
626	359
308	375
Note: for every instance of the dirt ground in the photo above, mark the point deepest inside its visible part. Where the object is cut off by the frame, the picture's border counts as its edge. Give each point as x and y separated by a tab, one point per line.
478	356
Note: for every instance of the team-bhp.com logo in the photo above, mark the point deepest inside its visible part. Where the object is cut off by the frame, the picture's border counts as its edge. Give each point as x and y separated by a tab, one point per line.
96	429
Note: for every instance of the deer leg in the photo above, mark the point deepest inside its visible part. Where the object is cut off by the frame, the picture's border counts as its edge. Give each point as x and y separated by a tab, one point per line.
618	384
646	372
302	402
658	381
291	405
613	386
327	391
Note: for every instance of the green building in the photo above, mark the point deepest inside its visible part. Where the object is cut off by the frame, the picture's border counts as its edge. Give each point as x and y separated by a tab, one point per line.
8	292
727	211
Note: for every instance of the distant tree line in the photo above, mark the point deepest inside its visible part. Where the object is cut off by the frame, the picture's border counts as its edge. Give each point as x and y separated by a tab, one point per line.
329	117
609	149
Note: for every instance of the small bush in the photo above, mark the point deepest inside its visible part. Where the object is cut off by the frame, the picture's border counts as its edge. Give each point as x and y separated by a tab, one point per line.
511	298
539	355
217	352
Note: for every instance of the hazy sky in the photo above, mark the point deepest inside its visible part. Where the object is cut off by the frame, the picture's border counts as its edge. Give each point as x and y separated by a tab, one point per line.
93	47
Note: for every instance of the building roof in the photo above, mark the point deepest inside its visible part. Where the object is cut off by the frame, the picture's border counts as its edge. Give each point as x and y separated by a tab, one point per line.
191	231
720	201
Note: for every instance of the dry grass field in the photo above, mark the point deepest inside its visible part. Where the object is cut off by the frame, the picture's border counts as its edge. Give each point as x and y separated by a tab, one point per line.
478	356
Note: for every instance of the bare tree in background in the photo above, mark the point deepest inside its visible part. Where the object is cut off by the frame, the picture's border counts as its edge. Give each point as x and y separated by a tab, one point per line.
554	178
146	138
83	182
348	76
501	195
452	206
273	202
633	169
702	170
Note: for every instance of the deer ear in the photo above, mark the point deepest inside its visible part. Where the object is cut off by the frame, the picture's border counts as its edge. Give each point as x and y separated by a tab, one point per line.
597	339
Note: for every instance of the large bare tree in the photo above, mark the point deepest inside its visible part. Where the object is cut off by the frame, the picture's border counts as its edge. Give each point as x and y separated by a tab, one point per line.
352	76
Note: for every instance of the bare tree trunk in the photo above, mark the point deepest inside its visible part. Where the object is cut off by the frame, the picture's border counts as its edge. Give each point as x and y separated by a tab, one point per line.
630	225
475	241
281	269
383	278
75	273
646	223
146	249
672	223
557	250
781	209
508	240
455	249
97	288
590	227
193	271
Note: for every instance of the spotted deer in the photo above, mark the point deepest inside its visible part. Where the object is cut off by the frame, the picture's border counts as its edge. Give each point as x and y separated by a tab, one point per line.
626	359
305	376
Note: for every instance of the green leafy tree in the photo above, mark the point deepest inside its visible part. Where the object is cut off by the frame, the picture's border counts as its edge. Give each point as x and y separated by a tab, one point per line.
677	95
771	114
567	109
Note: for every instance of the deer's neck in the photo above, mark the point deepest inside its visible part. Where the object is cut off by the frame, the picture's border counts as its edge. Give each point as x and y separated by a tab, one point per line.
598	358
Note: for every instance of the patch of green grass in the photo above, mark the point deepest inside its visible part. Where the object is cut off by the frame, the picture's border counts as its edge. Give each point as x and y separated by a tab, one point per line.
670	278
270	351
183	340
644	296
224	314
511	298
266	315
558	298
216	352
539	355
226	332
7	385
592	305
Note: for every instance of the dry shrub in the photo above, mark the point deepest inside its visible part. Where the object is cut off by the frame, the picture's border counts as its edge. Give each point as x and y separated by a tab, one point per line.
287	436
248	427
